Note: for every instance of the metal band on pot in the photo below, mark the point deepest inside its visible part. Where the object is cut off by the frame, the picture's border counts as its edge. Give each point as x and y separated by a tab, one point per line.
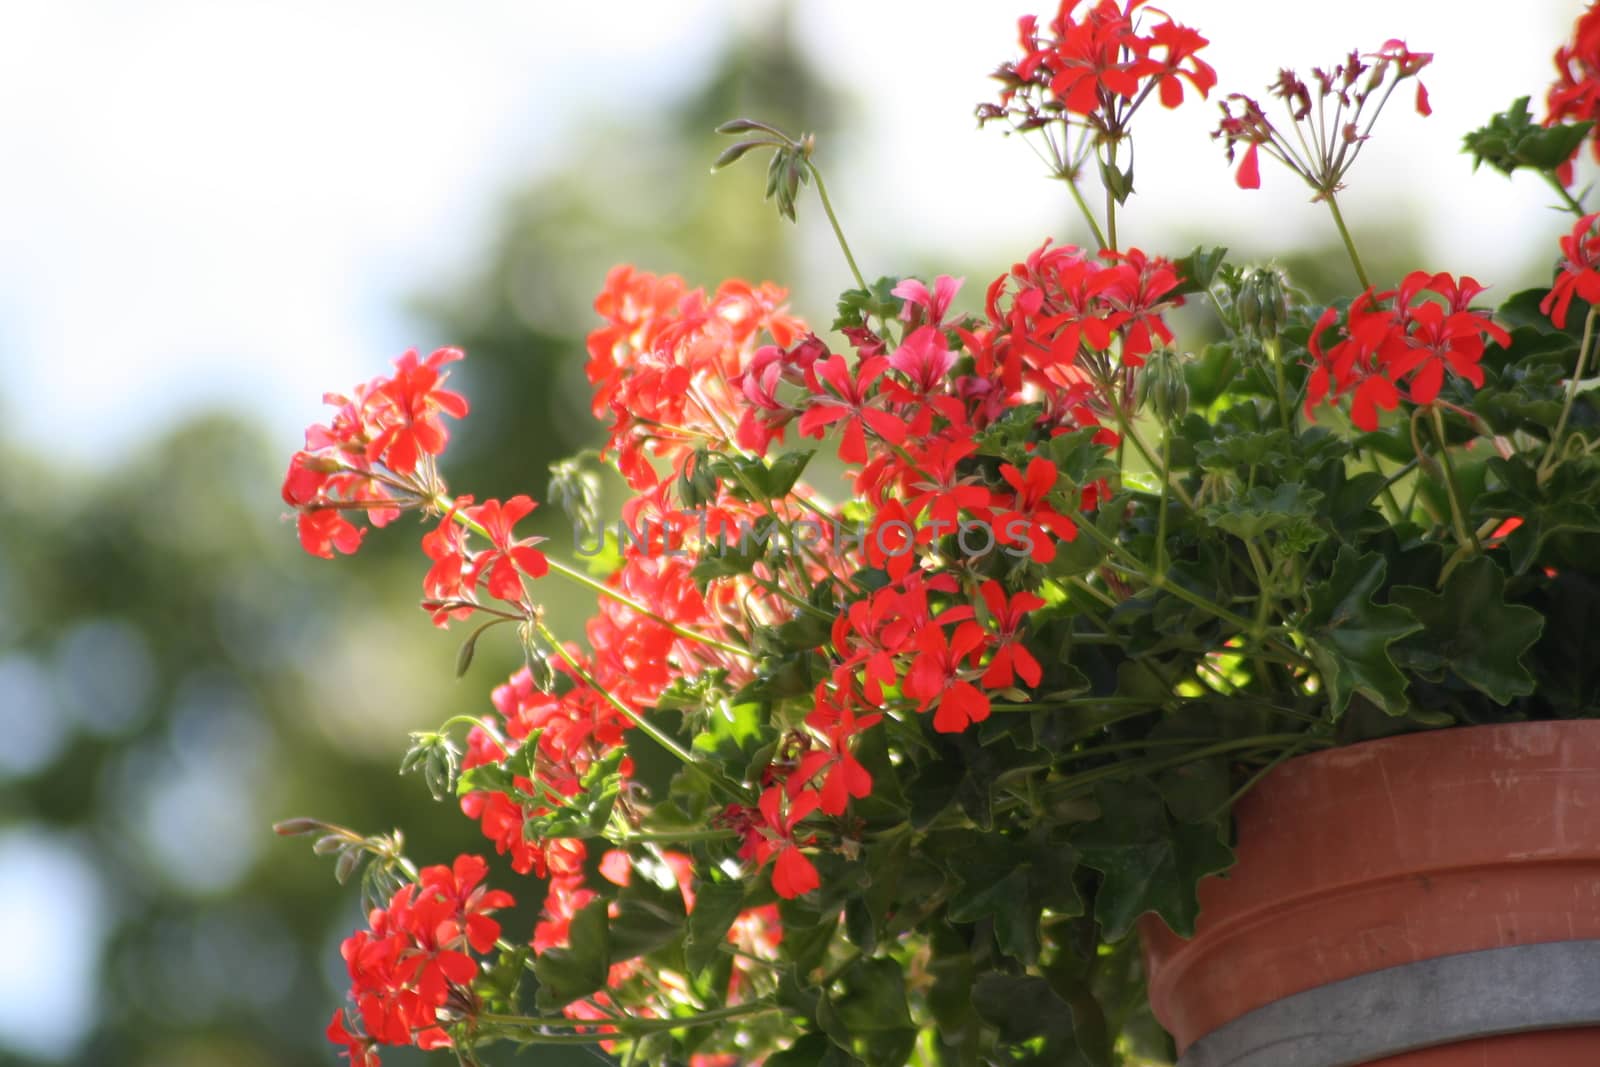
1522	988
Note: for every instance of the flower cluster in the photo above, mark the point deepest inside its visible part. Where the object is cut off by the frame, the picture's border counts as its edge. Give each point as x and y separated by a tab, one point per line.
1330	124
1575	94
1397	343
375	455
918	738
1579	273
413	968
1095	65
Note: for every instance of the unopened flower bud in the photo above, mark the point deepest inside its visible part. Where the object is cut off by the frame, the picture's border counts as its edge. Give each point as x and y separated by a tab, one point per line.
1162	386
1248	308
1267	305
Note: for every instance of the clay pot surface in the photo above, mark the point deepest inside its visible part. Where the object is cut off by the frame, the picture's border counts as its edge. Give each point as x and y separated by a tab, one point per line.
1389	852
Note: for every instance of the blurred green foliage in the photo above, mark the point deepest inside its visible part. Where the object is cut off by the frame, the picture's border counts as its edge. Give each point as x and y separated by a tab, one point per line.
206	678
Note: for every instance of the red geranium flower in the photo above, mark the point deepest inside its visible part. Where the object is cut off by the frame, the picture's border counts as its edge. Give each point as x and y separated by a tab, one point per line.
417	400
509	559
837	395
1580	271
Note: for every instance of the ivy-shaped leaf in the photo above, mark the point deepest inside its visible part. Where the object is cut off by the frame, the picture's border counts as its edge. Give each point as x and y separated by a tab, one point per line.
857	305
1289	508
812	1050
1198	268
716	906
1470	630
1513	139
565	974
1151	862
1566	504
867	1014
1036	1024
1349	634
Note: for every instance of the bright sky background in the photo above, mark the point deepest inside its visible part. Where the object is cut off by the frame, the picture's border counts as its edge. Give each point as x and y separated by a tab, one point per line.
222	201
208	201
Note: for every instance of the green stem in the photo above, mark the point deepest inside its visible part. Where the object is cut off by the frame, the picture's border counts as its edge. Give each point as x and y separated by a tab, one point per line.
1128	431
648	728
627	601
1083	206
1076	782
1349	244
1135	567
1387	492
1465	535
1548	464
1250	783
833	220
670	837
1111	198
446	505
1572	205
624	1027
1161	516
1275	352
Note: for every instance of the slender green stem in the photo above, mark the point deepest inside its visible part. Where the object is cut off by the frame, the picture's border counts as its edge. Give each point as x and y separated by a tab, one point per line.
1077	582
1387	491
833	220
627	601
471	720
670	837
1076	782
444	504
1548	464
1135	567
1161	516
1274	349
1111	198
1250	783
1465	535
1128	431
1572	205
1083	206
1349	244
648	728
624	1027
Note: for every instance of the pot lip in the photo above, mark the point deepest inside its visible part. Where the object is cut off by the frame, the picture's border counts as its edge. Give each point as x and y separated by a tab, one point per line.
1559	755
1440	739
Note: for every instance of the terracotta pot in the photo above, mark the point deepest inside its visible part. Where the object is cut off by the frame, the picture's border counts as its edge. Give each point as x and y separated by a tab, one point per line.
1387	853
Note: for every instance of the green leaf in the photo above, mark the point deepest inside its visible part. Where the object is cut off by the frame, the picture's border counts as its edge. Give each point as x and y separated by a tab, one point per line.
812	1050
1513	139
870	1008
565	974
716	906
1521	310
806	934
1118	182
785	471
1349	634
857	305
1150	861
1470	630
1237	452
1024	1009
1016	924
1198	268
641	927
1565	504
1289	507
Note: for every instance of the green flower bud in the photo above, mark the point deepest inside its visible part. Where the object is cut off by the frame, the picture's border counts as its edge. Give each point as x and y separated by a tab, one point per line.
1162	386
1268	306
1248	307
